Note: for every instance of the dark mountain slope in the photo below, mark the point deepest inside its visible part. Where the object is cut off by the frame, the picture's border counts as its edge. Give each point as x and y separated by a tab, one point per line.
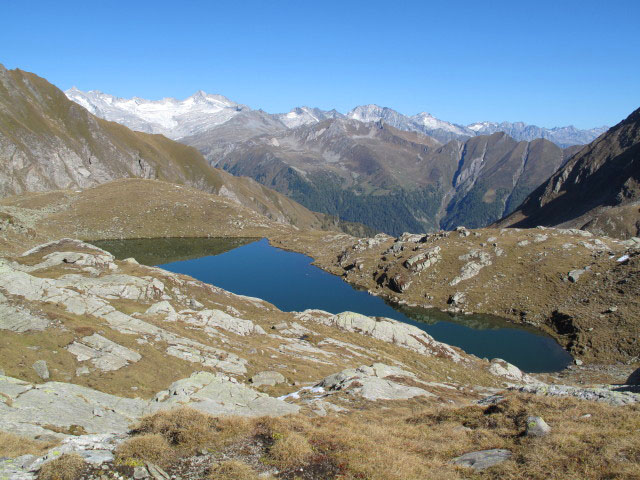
393	180
602	181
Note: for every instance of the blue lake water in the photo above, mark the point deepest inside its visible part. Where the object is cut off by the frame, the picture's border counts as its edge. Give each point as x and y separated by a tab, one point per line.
289	281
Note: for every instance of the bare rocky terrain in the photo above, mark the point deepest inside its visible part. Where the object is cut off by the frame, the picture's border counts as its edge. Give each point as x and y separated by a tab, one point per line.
580	288
85	338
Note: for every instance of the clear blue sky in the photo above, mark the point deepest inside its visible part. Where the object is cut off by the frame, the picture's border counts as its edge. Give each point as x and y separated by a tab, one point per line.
544	62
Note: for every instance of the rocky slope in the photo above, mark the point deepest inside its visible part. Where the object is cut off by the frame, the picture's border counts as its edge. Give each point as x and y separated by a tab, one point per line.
84	337
567	282
48	142
579	288
393	180
597	189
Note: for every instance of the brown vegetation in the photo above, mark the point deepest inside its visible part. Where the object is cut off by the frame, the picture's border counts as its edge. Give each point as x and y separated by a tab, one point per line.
66	467
12	446
413	440
152	448
232	470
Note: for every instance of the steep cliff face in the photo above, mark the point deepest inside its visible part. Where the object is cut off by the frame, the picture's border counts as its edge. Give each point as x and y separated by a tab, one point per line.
598	188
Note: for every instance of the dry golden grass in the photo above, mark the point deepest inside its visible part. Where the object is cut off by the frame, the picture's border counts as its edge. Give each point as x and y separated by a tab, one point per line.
290	450
414	440
151	447
232	470
15	445
66	467
189	430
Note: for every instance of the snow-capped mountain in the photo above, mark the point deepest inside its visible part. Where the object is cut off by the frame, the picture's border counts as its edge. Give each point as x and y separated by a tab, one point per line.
562	136
421	123
305	116
203	112
170	117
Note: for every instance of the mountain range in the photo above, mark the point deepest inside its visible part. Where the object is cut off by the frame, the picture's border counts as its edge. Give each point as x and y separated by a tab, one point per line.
374	166
48	142
202	111
393	180
358	167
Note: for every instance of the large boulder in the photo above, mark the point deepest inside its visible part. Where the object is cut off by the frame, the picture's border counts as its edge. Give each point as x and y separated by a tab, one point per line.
375	382
219	394
634	378
267	378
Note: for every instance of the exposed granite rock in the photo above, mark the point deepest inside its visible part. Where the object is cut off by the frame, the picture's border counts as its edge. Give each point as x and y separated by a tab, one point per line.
80	295
18	319
220	319
502	368
574	275
78	259
41	369
220	395
399	283
163	308
423	260
612	394
371	382
103	353
64	405
267	378
385	329
537	427
473	267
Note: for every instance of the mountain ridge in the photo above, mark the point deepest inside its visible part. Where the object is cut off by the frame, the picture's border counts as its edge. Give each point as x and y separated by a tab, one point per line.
394	180
598	188
48	142
126	111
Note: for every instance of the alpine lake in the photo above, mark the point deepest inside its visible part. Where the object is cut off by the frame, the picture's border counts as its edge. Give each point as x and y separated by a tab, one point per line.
252	267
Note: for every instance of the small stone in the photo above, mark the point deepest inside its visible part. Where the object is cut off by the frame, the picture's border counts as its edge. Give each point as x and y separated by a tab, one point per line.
612	309
578	362
157	473
41	369
574	275
84	370
196	305
490	400
131	261
537	427
482	459
456	299
140	473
